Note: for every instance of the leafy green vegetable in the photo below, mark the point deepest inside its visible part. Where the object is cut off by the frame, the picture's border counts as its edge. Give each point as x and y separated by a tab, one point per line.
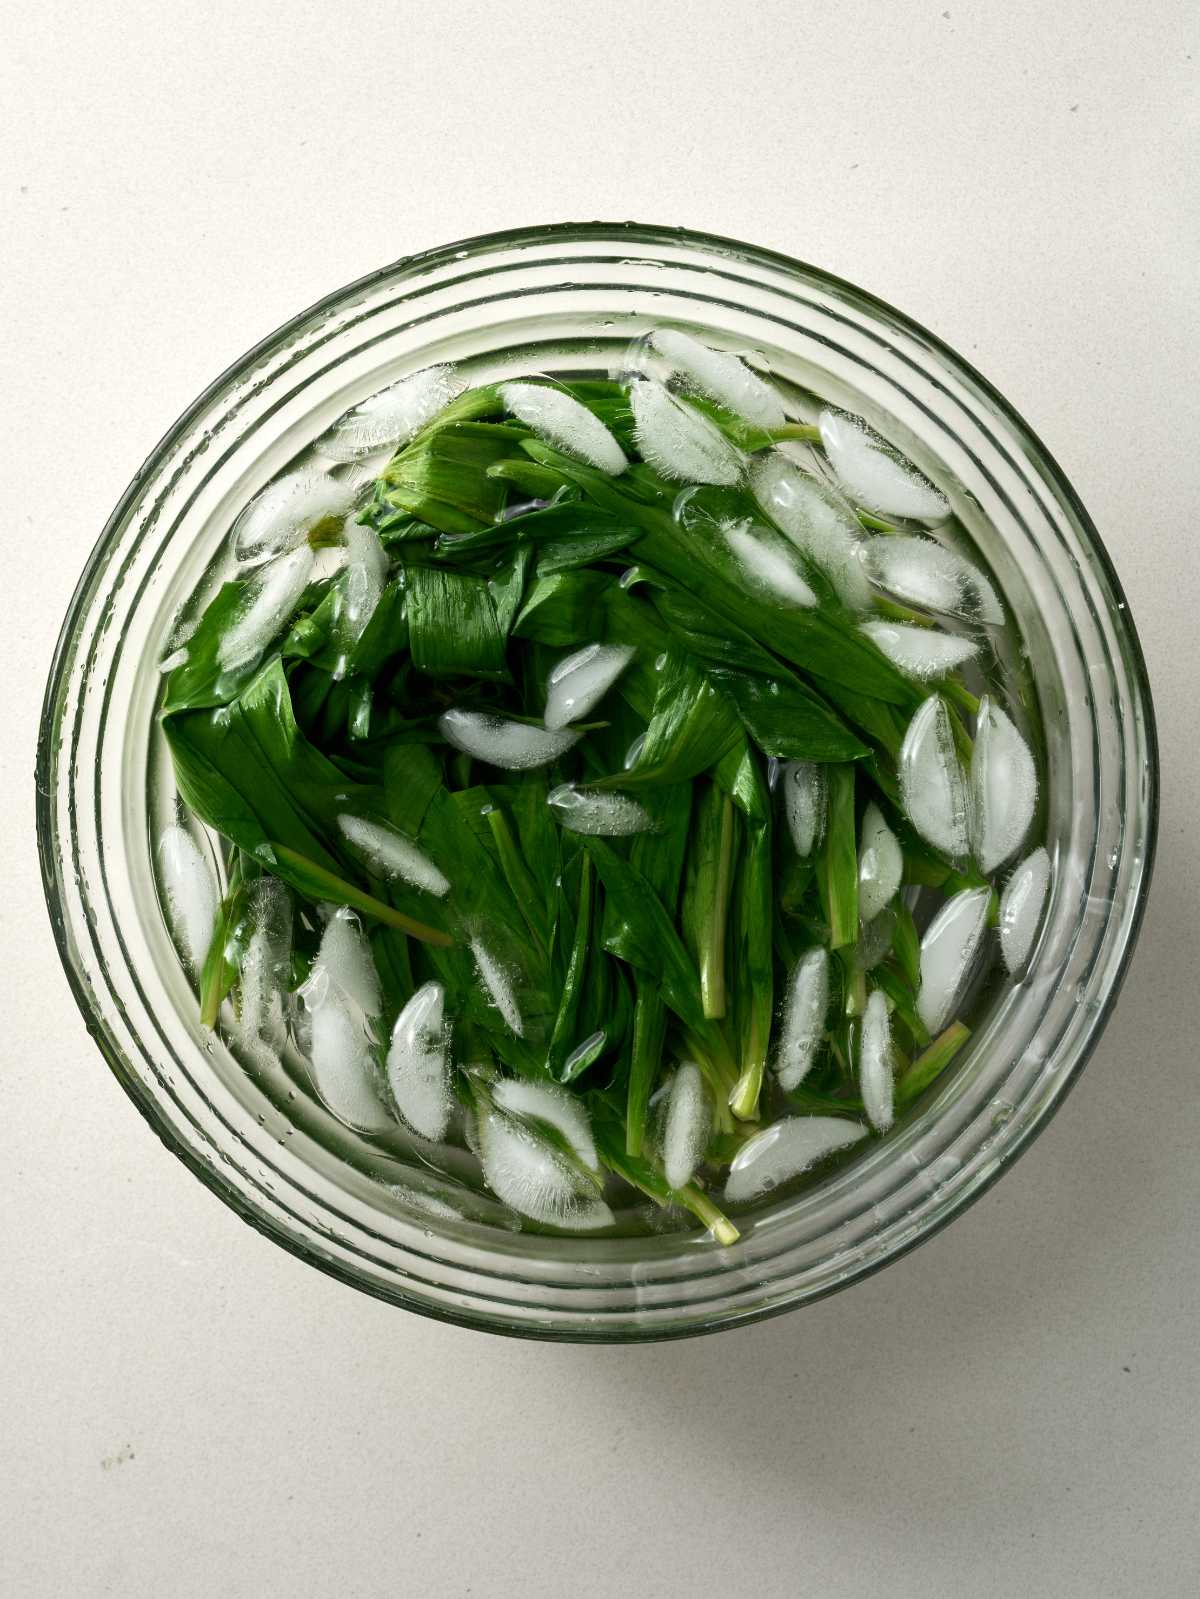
588	963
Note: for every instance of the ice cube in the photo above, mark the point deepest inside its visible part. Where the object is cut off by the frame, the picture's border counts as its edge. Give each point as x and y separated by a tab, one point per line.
880	864
932	786
392	416
819	523
1003	787
922	572
497	985
804	804
687	1124
515	746
389	854
875	1063
279	516
536	1179
344	966
342	1065
554	1106
721	376
269	600
784	1150
581	680
597	811
677	441
266	967
190	890
365	575
418	1063
949	950
804	1015
765	568
919	652
560	419
873	475
1021	907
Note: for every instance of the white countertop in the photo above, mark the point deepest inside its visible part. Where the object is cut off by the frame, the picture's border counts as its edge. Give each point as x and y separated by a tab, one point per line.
186	1410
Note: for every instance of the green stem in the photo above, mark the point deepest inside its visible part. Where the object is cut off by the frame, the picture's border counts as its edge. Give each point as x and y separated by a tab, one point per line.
712	947
797	430
318	883
837	867
649	1034
960	695
518	876
931	1063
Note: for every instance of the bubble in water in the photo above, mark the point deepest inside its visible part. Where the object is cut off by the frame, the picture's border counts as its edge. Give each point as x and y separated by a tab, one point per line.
278	518
804	1015
389	854
190	890
722	377
804	804
418	1063
949	950
391	417
514	746
817	521
919	652
932	787
880	864
1021	907
875	1063
562	421
554	1106
1003	787
785	1150
597	812
922	572
686	1124
677	441
766	569
874	475
269	600
580	681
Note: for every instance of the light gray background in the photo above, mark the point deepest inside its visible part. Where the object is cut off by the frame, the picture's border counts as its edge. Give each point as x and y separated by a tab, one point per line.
186	1410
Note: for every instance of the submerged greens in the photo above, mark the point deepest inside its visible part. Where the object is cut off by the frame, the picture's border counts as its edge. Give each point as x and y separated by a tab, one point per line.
571	781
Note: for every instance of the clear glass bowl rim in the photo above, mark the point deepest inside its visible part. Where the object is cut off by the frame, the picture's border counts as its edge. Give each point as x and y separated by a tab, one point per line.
407	268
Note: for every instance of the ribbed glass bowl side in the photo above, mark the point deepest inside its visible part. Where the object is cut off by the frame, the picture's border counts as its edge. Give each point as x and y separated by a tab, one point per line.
558	299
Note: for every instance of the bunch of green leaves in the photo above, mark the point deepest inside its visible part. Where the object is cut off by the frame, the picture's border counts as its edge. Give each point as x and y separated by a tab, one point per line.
628	953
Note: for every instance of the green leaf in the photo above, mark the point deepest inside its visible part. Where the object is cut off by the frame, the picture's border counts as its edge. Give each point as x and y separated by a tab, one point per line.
753	971
581	549
932	1063
707	886
560	608
652	942
411	777
837	862
442	477
566	1023
785	719
645	1061
201	682
691	728
643	1175
453	630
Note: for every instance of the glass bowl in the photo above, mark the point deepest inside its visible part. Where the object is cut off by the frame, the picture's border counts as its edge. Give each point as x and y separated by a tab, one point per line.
554	299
